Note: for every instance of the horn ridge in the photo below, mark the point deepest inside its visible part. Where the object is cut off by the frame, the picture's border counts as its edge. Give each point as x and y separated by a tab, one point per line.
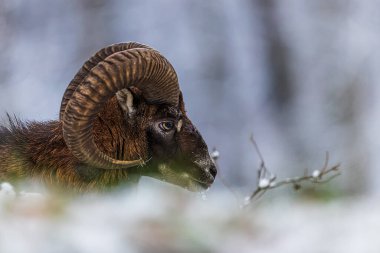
92	62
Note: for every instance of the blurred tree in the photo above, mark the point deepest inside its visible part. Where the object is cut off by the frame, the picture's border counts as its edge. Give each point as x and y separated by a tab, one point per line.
94	29
279	75
4	43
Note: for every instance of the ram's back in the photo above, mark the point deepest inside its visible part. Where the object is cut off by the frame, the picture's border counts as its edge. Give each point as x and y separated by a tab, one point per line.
12	164
30	149
36	150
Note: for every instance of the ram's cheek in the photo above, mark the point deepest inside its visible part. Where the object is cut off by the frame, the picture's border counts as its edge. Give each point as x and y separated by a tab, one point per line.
170	175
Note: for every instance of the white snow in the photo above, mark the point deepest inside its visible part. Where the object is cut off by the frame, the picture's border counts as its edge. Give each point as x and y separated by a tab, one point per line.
316	174
215	154
264	183
6	189
167	219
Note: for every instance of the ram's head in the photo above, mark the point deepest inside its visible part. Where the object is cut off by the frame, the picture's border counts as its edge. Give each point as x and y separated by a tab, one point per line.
157	139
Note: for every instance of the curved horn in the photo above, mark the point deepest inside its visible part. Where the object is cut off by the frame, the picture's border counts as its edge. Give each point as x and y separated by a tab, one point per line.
143	68
92	62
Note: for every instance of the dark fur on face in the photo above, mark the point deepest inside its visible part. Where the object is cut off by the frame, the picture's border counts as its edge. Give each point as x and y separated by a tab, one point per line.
177	151
161	135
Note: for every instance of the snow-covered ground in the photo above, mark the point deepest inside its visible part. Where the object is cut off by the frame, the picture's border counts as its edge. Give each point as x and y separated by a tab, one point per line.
165	219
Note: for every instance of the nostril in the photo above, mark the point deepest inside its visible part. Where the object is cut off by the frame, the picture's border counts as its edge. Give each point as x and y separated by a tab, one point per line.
213	171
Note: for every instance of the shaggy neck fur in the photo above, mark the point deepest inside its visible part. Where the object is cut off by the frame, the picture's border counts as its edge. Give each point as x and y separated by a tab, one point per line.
38	150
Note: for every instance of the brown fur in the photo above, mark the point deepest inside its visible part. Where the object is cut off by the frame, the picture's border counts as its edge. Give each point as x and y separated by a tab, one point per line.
38	150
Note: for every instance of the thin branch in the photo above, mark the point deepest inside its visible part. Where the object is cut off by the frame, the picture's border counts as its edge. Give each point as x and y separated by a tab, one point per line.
317	177
266	180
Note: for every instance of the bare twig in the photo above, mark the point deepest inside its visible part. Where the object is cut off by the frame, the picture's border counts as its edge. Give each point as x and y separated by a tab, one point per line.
266	182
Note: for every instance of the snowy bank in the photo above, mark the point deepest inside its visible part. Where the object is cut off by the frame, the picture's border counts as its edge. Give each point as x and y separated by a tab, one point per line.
163	219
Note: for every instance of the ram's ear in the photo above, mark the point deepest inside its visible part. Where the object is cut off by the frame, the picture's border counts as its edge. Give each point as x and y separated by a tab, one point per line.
125	99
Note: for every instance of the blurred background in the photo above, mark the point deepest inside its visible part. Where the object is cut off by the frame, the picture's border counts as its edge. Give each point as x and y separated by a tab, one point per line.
300	75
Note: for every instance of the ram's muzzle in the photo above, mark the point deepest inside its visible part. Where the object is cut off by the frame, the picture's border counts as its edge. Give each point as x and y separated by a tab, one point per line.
191	167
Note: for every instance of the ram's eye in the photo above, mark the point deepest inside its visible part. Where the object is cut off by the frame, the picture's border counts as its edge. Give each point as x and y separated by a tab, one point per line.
166	126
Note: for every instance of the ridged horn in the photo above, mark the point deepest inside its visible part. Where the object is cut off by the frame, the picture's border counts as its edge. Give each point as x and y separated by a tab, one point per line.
89	64
143	68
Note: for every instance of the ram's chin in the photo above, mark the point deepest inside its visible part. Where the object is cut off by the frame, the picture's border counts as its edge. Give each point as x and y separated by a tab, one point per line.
182	179
196	186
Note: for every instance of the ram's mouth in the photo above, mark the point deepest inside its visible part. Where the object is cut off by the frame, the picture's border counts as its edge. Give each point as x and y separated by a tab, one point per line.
200	183
196	185
196	178
195	182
